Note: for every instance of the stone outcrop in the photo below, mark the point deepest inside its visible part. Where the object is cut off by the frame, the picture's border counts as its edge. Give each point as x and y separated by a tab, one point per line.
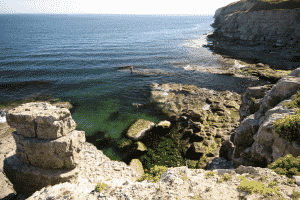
279	27
253	30
260	145
48	148
179	182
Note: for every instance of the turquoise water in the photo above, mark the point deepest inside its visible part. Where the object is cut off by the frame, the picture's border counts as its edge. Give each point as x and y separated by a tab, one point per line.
80	59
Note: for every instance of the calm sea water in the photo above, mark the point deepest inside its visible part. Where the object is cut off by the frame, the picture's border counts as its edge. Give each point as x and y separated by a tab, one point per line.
80	56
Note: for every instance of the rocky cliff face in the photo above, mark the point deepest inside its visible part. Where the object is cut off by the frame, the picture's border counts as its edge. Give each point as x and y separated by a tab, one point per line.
277	29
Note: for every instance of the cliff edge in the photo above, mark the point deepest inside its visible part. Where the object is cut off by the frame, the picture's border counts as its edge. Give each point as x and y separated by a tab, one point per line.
273	28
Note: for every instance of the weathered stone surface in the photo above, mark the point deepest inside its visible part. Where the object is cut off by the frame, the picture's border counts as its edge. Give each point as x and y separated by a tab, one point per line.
248	106
139	128
219	163
141	146
164	124
137	165
178	182
28	178
41	120
50	154
244	134
284	88
6	187
226	149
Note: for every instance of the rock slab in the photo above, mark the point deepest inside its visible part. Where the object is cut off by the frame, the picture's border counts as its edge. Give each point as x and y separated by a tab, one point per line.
61	153
41	120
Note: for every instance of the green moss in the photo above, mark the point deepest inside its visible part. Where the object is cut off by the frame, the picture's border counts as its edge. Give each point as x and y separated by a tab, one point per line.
154	174
124	142
165	154
100	187
256	187
211	173
253	100
184	178
66	192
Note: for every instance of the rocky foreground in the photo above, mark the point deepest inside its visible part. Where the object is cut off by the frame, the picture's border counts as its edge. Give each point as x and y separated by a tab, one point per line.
245	143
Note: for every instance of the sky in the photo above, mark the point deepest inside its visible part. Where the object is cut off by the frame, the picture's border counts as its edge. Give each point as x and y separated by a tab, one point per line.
137	7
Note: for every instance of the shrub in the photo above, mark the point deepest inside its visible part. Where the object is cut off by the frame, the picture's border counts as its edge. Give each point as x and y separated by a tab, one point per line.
287	166
288	127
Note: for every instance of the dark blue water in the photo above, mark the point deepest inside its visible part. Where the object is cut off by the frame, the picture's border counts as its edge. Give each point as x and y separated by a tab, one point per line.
80	56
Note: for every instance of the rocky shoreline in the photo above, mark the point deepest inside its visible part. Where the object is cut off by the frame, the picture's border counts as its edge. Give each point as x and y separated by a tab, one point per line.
205	115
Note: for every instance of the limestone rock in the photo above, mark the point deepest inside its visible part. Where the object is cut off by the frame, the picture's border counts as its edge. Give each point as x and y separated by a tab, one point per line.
248	106
137	165
226	149
41	120
139	128
178	182
219	163
6	187
28	178
244	134
284	88
141	146
164	124
50	154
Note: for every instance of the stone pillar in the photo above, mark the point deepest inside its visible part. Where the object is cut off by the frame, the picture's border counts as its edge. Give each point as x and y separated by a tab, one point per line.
48	147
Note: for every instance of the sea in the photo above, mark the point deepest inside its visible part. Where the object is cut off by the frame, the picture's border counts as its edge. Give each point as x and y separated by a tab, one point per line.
84	59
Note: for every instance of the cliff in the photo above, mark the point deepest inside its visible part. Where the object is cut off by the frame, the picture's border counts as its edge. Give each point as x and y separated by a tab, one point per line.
271	28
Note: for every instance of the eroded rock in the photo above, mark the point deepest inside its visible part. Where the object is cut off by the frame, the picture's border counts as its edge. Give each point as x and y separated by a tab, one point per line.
139	128
41	120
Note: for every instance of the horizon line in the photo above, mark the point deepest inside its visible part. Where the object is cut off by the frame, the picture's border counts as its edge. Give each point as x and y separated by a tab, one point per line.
107	14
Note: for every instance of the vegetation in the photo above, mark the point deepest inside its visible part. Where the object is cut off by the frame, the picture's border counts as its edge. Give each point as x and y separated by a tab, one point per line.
288	128
275	5
153	174
226	177
286	166
100	187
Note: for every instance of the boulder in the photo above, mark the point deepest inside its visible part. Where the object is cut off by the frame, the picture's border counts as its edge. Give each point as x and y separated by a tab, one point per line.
41	120
244	134
50	154
139	128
